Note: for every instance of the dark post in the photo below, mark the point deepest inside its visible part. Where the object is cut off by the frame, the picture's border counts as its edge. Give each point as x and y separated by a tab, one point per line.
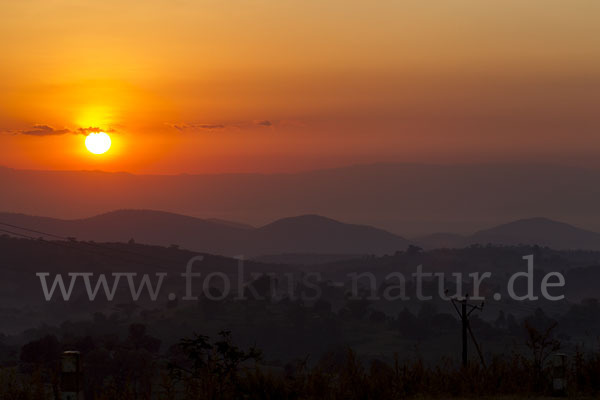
71	385
465	322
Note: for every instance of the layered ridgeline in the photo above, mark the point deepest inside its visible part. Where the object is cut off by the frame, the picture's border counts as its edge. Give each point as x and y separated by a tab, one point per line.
406	199
307	234
295	236
531	231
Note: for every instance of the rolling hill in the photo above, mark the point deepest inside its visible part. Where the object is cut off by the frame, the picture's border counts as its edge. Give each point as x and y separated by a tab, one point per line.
303	234
540	231
530	231
406	199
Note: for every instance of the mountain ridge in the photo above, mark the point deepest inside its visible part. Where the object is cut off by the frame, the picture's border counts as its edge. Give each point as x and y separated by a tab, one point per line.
302	234
406	199
540	231
299	234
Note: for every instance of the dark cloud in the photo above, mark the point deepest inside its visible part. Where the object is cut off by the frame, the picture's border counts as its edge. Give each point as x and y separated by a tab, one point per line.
210	127
93	129
43	130
183	127
47	130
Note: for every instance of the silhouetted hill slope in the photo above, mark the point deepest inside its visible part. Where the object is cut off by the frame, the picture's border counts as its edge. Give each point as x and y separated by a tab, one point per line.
540	231
230	223
144	226
530	231
316	234
442	240
304	234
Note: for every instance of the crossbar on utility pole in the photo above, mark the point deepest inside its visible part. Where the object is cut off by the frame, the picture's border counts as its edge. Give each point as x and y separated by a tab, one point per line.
465	311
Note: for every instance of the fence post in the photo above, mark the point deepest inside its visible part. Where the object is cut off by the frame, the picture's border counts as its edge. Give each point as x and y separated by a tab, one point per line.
71	382
559	374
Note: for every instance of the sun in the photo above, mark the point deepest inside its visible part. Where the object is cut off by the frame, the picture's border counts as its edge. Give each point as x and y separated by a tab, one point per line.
97	142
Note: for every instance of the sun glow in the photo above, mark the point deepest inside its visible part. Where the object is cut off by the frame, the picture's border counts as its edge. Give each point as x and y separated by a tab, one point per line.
97	142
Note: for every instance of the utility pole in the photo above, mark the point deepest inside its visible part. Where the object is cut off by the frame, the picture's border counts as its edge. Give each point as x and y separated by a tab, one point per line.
465	323
465	311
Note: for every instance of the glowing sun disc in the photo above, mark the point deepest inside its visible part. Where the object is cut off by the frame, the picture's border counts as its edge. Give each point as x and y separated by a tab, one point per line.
97	143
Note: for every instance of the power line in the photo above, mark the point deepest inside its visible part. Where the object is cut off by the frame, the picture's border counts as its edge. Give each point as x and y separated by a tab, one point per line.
466	310
64	245
72	239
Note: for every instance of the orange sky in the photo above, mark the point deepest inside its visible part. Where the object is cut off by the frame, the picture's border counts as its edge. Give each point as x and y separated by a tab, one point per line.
279	85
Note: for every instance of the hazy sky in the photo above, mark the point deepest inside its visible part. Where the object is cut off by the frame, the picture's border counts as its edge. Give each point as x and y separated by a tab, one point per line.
280	85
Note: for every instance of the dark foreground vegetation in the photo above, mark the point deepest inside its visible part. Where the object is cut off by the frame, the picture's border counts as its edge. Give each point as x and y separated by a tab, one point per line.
201	368
337	347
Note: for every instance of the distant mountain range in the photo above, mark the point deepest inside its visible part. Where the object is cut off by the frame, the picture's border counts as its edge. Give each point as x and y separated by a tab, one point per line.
406	199
307	234
302	235
531	231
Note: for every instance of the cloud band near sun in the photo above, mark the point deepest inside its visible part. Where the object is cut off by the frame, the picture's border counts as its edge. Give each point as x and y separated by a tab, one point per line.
213	127
41	130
